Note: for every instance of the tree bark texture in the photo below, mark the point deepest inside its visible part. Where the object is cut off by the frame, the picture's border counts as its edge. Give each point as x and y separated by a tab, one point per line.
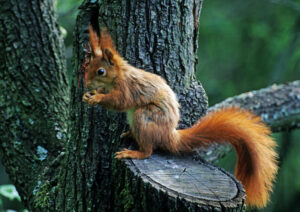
34	95
278	105
58	151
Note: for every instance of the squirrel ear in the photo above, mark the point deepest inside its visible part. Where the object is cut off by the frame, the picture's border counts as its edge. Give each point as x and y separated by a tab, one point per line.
106	40
95	44
107	46
109	55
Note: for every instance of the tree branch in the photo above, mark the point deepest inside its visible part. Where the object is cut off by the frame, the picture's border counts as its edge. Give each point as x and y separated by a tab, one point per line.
278	105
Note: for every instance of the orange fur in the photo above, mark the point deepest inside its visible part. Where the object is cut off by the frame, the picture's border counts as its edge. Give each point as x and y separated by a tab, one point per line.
105	40
153	115
94	40
256	166
106	43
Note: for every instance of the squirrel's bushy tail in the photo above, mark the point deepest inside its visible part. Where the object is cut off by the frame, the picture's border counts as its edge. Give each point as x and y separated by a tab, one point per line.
256	165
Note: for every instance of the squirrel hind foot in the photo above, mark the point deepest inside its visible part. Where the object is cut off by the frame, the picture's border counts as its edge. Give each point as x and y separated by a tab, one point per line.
134	154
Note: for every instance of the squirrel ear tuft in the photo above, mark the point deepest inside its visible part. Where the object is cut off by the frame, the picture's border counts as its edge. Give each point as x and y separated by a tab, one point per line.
95	44
107	46
106	41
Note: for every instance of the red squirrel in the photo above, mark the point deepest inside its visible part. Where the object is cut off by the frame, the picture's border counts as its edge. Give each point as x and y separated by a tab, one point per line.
153	114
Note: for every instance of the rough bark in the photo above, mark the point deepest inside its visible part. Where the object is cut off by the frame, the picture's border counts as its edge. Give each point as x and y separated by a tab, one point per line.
278	105
33	95
56	170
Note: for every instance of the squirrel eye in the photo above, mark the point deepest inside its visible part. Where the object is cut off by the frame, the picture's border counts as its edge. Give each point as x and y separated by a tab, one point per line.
101	72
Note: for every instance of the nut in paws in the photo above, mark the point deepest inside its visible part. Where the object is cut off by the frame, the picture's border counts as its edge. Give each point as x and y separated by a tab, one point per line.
95	99
86	97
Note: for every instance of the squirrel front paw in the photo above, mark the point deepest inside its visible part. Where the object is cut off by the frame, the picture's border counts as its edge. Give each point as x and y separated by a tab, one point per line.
86	96
91	98
95	99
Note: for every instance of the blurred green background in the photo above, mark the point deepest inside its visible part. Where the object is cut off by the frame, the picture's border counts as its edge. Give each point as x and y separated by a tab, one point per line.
248	45
243	46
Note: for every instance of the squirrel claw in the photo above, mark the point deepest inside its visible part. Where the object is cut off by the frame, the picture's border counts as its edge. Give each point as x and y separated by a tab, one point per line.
126	134
122	154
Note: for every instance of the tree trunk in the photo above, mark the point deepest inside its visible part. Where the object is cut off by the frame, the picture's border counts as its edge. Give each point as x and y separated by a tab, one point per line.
148	34
34	96
59	152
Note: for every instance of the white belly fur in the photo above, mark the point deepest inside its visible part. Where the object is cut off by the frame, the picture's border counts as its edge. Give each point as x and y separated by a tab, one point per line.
130	116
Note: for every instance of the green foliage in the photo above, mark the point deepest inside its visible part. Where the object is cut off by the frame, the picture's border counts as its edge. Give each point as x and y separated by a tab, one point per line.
10	192
286	194
10	199
67	12
248	45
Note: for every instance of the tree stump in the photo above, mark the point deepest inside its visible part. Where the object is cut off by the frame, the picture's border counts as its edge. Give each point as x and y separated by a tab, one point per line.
186	183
